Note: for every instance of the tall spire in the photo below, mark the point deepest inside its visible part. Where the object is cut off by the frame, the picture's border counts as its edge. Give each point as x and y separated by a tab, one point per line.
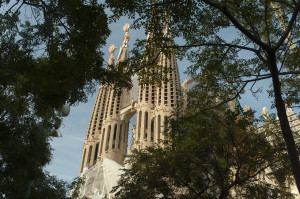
107	132
156	101
115	128
124	51
93	142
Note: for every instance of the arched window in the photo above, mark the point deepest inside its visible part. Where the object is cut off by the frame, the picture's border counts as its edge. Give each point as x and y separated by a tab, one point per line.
120	136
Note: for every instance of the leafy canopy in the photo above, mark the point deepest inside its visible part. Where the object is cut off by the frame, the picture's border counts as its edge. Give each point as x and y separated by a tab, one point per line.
210	154
50	55
257	50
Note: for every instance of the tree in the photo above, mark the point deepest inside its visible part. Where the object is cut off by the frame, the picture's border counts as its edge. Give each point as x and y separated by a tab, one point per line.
221	64
210	154
49	56
76	187
50	187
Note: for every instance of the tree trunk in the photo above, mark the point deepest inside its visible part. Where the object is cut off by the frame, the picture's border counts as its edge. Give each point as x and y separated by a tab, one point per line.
284	123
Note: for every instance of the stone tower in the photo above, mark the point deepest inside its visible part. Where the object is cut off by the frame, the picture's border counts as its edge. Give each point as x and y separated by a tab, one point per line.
108	131
107	136
156	102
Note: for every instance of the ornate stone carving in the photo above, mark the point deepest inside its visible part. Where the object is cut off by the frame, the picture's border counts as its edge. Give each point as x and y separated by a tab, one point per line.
247	108
265	113
111	59
126	36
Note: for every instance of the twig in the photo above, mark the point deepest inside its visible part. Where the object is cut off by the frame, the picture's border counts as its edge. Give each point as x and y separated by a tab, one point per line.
228	100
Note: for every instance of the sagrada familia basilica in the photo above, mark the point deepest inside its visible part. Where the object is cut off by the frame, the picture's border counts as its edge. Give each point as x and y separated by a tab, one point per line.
106	141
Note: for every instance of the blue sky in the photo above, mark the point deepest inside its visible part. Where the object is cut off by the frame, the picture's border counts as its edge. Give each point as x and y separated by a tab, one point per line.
68	149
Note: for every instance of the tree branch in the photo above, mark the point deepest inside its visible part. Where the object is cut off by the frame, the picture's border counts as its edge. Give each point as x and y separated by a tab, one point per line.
63	25
256	79
261	58
12	6
266	21
228	100
245	16
212	44
2	117
289	27
235	22
266	76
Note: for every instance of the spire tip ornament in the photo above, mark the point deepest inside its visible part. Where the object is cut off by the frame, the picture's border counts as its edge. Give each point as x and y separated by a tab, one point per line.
265	113
111	59
126	36
247	108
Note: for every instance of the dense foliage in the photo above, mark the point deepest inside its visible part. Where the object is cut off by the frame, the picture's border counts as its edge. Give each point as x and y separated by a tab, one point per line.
49	56
210	154
256	49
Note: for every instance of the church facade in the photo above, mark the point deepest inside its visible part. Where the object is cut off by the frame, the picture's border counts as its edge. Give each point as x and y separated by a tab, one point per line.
106	143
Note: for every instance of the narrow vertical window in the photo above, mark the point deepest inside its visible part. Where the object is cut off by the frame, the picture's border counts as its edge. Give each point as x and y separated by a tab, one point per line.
114	136
152	129
146	120
120	136
139	126
101	147
96	153
158	127
115	132
146	125
108	136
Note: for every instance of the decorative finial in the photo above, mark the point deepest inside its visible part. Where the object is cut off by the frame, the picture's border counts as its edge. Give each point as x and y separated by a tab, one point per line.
247	108
126	36
265	113
111	59
132	103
